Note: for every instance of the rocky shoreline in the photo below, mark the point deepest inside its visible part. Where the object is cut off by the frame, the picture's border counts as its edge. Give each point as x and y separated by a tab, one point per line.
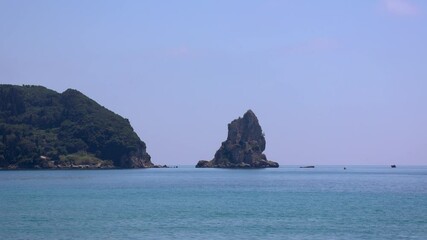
44	129
78	167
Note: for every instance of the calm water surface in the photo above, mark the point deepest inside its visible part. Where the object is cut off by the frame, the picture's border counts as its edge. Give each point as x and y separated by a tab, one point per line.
187	203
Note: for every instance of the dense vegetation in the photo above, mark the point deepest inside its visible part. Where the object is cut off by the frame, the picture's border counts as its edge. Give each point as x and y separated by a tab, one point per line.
42	128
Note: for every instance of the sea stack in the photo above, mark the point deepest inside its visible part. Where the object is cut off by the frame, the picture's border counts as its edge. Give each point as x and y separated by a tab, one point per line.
243	147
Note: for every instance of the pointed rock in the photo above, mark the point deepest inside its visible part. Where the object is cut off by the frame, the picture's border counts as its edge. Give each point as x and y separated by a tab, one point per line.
243	147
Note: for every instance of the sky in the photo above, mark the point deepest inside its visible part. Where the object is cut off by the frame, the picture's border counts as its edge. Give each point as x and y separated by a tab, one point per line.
331	82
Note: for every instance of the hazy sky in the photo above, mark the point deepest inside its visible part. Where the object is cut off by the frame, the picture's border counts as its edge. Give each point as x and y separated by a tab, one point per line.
332	82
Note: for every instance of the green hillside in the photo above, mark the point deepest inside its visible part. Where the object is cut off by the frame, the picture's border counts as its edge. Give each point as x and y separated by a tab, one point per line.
40	128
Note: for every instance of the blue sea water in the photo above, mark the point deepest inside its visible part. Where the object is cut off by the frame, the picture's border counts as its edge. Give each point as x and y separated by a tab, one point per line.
327	202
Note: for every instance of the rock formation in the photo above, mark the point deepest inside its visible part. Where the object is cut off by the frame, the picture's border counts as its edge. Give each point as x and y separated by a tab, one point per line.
243	147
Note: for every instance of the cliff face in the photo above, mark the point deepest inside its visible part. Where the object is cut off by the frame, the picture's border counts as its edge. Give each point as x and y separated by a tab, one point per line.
40	128
243	147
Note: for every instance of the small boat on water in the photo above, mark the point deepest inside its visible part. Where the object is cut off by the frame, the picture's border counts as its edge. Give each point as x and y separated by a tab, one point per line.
393	166
306	167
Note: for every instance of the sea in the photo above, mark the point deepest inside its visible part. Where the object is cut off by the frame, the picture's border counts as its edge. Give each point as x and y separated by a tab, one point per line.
325	202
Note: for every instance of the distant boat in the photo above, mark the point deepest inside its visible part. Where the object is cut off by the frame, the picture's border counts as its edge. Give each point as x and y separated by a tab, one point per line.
306	167
393	166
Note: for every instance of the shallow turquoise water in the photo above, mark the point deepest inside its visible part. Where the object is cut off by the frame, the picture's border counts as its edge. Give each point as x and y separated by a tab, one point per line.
187	203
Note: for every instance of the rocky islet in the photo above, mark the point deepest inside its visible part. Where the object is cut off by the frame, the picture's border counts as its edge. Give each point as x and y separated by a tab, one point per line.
243	148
